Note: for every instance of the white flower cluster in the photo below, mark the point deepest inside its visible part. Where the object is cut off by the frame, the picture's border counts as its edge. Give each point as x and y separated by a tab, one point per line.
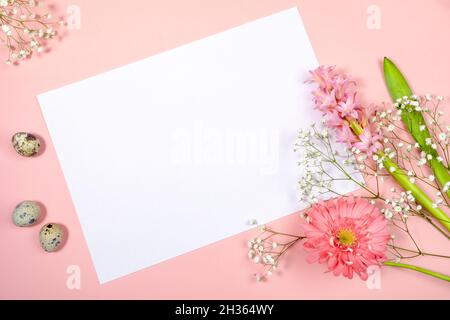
429	107
262	250
311	160
408	154
409	104
390	122
257	251
267	248
321	164
24	28
400	205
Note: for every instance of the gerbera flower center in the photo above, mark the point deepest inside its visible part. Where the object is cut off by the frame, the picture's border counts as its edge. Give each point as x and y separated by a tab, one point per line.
346	237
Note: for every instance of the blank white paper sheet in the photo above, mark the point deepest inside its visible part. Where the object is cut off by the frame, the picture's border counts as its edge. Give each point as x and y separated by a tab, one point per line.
180	150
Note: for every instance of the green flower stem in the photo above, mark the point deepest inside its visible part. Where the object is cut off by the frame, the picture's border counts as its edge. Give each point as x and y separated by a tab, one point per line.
398	88
404	181
418	269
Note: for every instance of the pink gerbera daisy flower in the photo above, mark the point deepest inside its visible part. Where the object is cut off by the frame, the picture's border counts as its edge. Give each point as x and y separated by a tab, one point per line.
348	234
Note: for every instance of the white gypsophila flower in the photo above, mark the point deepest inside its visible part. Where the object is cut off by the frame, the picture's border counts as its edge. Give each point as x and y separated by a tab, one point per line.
7	30
27	27
318	158
414	103
446	187
422	162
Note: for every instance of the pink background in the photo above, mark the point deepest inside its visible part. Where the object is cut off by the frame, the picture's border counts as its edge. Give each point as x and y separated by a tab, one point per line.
414	33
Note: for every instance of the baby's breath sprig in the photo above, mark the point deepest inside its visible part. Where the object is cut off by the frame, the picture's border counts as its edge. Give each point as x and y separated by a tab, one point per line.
409	155
25	28
324	166
267	248
414	121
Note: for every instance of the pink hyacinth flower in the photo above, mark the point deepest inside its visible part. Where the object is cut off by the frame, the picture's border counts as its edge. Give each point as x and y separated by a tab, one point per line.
348	108
369	141
322	76
345	135
335	98
343	85
347	234
324	101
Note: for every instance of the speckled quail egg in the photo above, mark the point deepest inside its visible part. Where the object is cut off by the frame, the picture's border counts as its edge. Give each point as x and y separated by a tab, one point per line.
26	144
26	213
51	236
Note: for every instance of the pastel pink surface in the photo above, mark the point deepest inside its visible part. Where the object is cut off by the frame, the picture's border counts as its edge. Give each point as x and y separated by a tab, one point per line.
413	33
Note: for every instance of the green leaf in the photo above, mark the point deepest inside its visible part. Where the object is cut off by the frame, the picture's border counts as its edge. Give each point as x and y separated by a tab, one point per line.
396	83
